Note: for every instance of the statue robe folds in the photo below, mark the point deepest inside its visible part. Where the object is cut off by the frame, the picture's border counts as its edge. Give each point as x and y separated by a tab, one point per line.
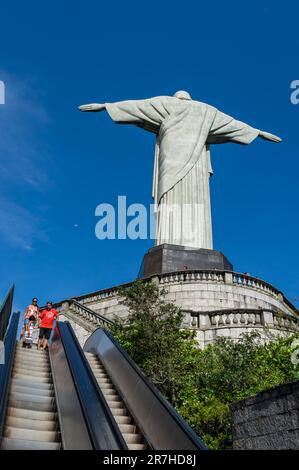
185	129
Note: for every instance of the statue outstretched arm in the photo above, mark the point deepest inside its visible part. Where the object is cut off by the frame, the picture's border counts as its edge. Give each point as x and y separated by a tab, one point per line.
147	114
92	107
268	136
227	129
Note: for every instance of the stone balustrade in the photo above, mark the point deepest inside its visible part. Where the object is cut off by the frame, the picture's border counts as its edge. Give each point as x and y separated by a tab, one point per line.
89	316
206	277
241	318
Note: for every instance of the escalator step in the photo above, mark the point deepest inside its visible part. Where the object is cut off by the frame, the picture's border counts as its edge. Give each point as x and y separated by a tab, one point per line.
125	419
119	412
30	434
137	446
115	404
32	354
32	384
21	444
36	424
28	397
132	438
30	405
31	372
32	391
24	376
127	428
32	414
110	393
22	363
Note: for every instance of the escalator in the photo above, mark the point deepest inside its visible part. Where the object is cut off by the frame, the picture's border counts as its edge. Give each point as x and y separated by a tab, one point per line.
144	417
70	399
49	400
124	420
31	420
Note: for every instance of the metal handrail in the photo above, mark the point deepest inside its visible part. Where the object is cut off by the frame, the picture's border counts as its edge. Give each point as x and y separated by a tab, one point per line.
6	368
5	312
103	430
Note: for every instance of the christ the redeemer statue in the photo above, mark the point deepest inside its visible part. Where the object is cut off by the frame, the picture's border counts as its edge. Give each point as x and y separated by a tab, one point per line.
185	128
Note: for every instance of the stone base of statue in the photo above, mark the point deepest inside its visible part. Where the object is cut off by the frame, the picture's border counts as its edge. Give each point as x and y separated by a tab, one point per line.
171	258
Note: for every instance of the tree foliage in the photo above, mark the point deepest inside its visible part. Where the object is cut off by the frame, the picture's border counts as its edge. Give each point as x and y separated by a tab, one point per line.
201	384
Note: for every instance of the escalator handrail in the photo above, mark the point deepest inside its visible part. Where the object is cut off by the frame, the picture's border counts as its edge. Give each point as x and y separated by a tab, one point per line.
5	312
91	421
6	368
196	440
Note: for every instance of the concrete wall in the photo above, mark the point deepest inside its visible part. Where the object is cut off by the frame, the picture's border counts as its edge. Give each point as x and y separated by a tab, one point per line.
268	421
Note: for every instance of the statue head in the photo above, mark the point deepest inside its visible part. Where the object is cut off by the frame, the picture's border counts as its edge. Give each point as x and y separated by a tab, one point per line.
182	95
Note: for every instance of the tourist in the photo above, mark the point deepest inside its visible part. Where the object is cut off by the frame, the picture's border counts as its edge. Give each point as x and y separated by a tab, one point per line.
30	313
46	321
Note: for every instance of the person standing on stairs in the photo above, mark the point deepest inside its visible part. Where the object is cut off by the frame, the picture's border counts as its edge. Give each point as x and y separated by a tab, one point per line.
31	311
46	321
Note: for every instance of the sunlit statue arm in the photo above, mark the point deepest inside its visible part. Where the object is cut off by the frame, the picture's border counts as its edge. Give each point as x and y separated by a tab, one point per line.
92	107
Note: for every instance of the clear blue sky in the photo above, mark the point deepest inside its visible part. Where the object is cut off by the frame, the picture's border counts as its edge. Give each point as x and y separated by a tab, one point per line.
57	165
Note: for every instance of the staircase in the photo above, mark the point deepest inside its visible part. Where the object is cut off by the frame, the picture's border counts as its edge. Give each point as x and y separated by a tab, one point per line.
31	418
124	420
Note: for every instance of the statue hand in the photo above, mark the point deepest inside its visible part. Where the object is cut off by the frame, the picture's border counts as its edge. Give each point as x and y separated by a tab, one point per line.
268	136
95	107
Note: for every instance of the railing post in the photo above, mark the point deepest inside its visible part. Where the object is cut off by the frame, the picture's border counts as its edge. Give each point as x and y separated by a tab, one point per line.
267	318
204	321
228	278
65	306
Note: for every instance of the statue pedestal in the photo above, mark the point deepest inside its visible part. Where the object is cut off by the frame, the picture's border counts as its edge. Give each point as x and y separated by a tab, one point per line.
170	258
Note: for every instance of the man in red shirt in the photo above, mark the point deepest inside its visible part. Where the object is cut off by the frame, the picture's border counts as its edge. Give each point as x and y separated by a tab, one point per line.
46	320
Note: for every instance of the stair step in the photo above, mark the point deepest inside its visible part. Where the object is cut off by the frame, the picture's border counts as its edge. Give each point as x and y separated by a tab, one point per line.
32	368
110	393
113	399
136	446
30	405
98	366
32	360
31	365
31	391
99	373
33	353
132	438
106	388
31	398
23	376
32	384
123	419
30	434
31	414
119	411
25	423
115	404
21	444
31	372
98	369
127	428
102	380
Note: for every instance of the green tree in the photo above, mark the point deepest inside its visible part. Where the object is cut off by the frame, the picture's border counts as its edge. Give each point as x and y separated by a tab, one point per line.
152	336
201	384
